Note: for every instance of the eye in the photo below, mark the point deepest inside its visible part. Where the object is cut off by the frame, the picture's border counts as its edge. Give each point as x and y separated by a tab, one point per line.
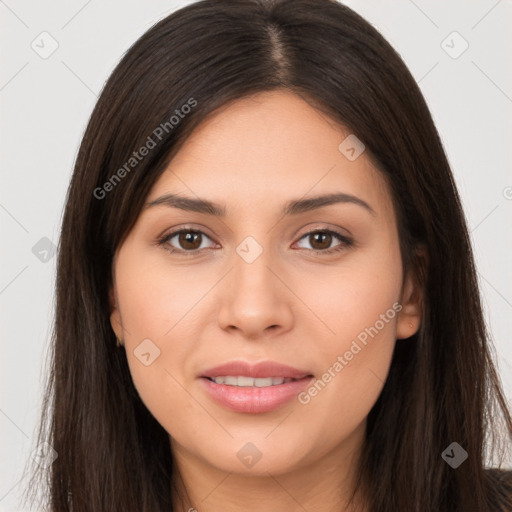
190	241
323	238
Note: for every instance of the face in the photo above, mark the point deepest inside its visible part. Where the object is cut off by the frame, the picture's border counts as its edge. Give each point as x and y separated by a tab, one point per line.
278	279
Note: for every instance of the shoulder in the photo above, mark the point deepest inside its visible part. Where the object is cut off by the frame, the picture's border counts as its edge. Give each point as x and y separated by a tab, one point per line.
499	483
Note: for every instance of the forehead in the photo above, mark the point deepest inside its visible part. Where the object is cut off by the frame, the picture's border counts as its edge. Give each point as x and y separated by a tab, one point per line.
269	148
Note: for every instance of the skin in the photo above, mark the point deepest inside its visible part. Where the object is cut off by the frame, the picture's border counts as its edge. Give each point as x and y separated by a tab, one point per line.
290	305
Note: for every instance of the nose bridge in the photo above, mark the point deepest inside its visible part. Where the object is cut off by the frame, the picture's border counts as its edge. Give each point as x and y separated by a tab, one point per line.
253	280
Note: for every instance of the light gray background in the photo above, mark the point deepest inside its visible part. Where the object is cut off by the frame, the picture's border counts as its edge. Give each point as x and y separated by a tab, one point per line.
46	104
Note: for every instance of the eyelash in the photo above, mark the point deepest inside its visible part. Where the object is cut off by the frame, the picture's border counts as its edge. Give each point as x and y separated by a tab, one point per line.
345	241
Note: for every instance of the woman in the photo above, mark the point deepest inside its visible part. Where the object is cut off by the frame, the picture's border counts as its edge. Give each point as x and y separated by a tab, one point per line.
262	214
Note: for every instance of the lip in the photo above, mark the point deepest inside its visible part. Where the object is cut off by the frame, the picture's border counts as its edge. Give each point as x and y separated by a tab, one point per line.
254	399
258	370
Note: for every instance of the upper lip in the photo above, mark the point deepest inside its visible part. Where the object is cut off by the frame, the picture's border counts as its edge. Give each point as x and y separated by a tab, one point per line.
257	370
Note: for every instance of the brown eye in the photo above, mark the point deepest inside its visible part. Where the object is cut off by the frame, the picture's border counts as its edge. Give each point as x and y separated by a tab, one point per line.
322	239
187	241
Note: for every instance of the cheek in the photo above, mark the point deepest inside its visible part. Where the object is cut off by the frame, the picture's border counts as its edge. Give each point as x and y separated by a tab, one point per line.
357	300
161	332
157	297
160	377
360	307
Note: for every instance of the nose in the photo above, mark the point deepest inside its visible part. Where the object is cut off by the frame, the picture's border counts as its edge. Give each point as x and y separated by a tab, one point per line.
254	299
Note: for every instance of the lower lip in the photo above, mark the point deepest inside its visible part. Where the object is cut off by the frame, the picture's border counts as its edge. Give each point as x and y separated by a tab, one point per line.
254	399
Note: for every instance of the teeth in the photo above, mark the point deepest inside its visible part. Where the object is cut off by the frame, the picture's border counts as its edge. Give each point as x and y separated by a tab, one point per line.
245	382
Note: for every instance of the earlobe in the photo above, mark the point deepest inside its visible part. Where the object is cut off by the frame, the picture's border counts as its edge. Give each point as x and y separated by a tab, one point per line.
407	325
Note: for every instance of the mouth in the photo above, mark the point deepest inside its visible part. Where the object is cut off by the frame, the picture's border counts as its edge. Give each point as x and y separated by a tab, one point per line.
244	388
251	398
243	381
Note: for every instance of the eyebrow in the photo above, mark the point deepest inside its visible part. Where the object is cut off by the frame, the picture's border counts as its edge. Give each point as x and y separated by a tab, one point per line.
293	207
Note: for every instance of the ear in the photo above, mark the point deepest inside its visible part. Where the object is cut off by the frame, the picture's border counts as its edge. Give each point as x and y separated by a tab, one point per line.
412	297
115	316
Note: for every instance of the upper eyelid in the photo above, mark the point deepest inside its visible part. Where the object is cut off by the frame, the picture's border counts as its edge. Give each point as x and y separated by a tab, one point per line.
186	229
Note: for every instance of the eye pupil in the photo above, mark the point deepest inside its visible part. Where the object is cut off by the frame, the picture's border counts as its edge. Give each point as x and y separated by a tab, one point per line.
322	236
187	238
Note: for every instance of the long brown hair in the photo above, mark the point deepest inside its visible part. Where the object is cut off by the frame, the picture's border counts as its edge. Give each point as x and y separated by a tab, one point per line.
442	386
